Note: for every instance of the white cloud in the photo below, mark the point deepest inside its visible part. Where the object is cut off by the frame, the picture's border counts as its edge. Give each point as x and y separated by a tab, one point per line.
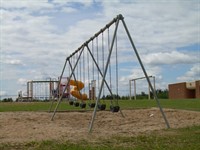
14	62
22	81
137	72
26	31
166	29
191	75
3	93
69	10
85	3
29	5
10	60
142	84
173	57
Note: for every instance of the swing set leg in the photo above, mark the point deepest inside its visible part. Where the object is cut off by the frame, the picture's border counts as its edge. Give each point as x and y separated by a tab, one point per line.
121	113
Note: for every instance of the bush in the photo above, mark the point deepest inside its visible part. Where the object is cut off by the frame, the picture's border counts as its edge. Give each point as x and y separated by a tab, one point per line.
7	100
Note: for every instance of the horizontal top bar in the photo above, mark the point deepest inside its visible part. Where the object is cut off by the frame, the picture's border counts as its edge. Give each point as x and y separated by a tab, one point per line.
44	81
140	78
119	17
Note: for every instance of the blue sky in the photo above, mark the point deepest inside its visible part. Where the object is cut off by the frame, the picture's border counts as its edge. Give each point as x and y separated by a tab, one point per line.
37	35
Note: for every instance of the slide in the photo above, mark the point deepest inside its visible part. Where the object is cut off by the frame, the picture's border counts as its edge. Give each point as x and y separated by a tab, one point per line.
75	91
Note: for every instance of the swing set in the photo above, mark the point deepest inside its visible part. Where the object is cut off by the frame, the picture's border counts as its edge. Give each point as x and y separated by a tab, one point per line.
93	67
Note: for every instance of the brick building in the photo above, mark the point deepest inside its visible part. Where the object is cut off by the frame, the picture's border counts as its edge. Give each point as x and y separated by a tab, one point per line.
184	90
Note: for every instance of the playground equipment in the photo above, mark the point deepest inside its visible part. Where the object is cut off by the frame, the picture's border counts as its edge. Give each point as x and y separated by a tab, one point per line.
42	89
78	85
134	81
62	88
101	53
47	89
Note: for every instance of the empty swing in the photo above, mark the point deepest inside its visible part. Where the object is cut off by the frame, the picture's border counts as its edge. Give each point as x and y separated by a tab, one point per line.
82	104
115	107
71	102
92	84
102	104
74	82
76	103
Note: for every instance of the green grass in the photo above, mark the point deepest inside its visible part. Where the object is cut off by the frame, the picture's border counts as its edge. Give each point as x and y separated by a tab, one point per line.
186	104
176	139
34	106
191	104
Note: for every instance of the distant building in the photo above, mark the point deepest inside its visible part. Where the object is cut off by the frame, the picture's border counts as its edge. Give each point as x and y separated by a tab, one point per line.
184	90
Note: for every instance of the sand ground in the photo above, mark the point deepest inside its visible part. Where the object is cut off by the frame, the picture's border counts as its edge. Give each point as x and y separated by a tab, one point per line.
18	127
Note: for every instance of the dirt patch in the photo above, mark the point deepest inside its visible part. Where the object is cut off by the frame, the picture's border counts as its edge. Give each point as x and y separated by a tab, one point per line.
73	126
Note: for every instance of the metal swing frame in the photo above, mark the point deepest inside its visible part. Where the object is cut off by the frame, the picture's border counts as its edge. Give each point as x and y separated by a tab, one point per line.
103	75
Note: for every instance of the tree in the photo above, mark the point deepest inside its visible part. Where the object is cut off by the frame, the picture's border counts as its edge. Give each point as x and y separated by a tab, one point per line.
7	100
163	94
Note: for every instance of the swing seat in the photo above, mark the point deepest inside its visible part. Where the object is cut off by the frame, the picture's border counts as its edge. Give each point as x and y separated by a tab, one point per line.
71	102
76	104
114	108
101	106
82	105
91	105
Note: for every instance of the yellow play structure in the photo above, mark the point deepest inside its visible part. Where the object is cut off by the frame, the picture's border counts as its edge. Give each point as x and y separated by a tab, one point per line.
75	91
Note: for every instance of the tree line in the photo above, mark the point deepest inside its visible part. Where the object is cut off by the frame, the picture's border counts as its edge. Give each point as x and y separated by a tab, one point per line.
162	94
7	100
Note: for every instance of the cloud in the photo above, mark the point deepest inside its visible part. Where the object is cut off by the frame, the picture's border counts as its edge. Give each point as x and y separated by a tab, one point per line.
10	60
137	72
142	84
167	28
28	5
86	3
22	81
173	57
69	10
13	62
31	41
3	93
191	75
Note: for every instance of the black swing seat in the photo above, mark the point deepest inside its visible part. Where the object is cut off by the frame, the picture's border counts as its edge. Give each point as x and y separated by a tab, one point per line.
76	104
82	105
101	106
114	108
71	102
91	105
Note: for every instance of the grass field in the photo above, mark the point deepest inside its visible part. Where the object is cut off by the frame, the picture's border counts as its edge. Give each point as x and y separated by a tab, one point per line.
192	104
179	139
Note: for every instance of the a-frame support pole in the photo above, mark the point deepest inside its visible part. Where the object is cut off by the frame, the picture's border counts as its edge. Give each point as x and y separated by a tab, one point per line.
145	73
59	83
60	98
104	75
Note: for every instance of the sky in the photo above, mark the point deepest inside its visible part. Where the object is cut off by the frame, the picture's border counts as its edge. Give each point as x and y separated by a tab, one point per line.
36	36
